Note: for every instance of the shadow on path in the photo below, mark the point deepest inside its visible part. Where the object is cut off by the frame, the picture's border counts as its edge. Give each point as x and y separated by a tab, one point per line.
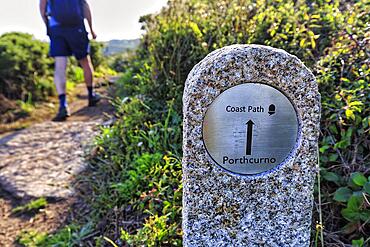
8	137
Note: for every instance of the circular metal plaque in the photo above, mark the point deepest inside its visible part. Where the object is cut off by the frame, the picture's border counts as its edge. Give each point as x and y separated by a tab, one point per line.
250	128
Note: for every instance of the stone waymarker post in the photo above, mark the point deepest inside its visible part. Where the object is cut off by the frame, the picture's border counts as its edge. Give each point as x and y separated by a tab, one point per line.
251	121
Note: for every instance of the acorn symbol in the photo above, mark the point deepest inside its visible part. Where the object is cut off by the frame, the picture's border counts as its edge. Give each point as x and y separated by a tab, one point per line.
272	109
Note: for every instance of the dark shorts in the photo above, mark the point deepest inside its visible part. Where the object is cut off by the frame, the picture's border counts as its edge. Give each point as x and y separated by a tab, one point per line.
67	41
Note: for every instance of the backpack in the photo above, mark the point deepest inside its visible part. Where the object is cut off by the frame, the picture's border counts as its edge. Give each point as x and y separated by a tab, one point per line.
68	13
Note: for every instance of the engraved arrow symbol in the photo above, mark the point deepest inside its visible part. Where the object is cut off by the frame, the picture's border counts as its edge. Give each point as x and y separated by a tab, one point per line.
248	149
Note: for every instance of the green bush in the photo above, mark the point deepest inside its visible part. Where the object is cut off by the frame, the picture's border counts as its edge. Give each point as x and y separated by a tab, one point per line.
121	61
96	53
343	73
181	35
24	67
139	170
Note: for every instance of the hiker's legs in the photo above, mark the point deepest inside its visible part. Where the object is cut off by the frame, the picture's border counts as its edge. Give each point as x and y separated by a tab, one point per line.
89	74
60	74
88	70
60	84
60	80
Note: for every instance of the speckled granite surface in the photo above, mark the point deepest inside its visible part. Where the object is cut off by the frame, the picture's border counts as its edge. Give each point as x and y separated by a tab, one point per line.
270	209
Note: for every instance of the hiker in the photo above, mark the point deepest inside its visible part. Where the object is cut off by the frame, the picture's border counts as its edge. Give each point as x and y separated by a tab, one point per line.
64	21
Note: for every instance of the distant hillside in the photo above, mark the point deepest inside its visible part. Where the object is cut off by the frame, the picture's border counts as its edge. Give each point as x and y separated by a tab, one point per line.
119	46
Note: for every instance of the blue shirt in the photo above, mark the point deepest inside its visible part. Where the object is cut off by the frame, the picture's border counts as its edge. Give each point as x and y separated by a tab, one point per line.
52	21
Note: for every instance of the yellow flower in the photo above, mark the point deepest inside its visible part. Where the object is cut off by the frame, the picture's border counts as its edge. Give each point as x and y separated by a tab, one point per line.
166	158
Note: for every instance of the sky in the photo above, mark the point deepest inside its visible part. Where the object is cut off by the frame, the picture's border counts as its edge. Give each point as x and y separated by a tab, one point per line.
113	19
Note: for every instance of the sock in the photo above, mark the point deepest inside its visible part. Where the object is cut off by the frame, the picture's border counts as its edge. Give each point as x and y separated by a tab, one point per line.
62	101
90	92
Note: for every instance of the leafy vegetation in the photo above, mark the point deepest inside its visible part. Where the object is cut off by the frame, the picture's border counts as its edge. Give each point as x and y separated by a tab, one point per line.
24	67
33	205
149	169
96	53
70	235
136	178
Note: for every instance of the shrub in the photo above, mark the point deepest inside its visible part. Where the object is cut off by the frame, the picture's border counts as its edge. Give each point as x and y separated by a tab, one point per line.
96	53
24	66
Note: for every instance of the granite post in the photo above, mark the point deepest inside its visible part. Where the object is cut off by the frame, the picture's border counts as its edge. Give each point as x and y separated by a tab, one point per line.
251	127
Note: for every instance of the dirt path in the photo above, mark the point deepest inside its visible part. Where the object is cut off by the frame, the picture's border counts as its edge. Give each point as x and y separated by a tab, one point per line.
43	161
